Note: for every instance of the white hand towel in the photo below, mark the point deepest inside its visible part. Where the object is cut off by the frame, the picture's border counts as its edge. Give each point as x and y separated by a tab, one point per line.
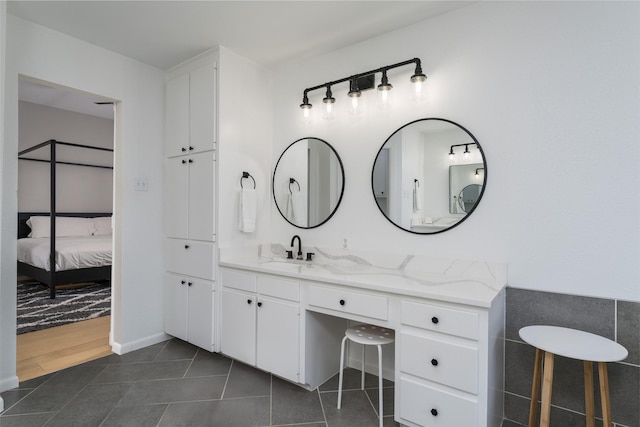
417	200
296	203
290	211
247	210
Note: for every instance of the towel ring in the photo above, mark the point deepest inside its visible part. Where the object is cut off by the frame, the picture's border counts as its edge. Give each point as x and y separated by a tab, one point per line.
292	181
247	175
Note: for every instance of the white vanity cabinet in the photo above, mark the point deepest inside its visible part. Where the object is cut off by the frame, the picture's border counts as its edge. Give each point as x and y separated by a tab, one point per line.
191	110
188	313
261	322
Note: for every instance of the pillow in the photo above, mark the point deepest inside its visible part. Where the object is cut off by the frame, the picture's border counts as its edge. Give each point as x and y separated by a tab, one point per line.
102	226
65	226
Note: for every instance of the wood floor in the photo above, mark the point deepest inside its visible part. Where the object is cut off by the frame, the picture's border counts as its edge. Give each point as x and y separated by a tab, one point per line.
42	352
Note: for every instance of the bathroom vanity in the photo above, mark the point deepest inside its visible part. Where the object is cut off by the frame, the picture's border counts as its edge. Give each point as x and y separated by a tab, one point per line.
287	317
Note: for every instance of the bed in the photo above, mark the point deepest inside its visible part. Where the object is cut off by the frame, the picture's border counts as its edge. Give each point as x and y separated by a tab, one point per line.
78	245
80	257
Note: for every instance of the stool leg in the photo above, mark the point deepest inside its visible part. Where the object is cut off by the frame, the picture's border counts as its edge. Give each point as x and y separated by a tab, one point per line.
588	393
341	369
604	394
380	381
362	374
547	386
535	388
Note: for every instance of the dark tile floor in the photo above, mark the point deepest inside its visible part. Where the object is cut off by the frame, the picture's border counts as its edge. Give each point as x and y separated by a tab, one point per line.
177	384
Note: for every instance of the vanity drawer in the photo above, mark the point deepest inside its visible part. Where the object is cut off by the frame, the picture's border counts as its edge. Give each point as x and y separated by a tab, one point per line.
447	320
238	280
191	258
373	306
279	288
443	362
427	406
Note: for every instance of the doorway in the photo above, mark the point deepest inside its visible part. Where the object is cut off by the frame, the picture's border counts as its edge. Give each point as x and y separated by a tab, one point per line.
84	185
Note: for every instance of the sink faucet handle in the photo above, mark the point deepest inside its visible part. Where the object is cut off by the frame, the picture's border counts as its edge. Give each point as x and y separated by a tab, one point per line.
289	254
310	256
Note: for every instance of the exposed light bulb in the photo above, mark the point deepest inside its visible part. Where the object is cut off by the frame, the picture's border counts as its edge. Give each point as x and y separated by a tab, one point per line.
384	92
467	153
328	101
306	115
452	155
354	104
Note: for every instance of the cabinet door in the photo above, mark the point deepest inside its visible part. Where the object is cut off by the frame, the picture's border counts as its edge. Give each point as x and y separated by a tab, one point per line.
238	337
202	111
200	313
175	317
177	116
176	203
201	196
278	335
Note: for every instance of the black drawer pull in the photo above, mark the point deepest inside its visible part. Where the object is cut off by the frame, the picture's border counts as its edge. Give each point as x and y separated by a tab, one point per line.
434	320
434	412
260	304
186	246
184	162
342	302
189	283
183	149
190	148
434	362
182	282
249	301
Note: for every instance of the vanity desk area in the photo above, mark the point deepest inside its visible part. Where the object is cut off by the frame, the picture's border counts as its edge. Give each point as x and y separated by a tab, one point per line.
288	317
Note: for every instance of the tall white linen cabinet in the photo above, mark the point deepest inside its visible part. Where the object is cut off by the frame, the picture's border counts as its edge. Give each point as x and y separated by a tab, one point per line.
190	199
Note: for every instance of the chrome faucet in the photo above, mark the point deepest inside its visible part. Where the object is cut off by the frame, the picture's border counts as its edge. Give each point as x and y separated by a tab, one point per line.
299	245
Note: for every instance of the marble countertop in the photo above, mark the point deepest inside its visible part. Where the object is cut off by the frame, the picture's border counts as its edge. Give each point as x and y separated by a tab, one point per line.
458	281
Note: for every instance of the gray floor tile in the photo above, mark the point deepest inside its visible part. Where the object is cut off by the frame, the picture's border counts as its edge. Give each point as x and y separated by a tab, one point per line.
356	409
291	404
29	420
147	354
57	391
207	364
177	350
135	416
143	371
387	399
91	406
352	379
175	390
11	397
245	381
219	413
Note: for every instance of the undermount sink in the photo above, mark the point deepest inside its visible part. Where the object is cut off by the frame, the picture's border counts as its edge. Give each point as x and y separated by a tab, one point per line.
284	265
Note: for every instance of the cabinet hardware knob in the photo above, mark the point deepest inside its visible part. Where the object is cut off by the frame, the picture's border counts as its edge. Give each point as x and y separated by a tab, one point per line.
183	149
259	304
249	301
342	302
184	162
434	412
189	283
182	282
434	320
186	246
434	362
190	148
190	160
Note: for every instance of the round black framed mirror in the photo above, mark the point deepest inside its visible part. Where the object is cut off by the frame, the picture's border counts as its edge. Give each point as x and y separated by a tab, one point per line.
429	176
308	182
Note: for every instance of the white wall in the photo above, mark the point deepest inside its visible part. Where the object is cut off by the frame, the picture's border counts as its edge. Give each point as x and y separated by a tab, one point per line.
80	189
41	53
7	336
550	90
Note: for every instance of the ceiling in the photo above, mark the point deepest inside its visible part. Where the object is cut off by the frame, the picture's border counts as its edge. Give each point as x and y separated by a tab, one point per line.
165	33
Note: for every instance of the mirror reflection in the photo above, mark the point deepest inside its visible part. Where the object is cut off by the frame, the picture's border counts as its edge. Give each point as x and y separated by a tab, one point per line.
429	175
308	182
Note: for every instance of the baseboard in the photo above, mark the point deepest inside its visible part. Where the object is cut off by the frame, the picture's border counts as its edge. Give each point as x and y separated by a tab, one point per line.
123	348
9	383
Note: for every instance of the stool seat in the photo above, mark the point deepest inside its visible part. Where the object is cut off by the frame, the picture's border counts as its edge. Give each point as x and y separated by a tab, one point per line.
573	343
370	335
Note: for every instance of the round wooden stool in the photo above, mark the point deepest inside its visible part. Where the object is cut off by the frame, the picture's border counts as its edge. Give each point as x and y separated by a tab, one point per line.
366	335
574	344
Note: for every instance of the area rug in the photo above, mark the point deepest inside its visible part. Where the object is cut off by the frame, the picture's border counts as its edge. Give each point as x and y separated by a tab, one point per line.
36	311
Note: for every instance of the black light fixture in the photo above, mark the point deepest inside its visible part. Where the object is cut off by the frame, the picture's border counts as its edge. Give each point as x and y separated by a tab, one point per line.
477	174
355	90
328	101
466	151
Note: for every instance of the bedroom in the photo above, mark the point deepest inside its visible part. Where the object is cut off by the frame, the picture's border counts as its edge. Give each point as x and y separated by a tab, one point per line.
47	113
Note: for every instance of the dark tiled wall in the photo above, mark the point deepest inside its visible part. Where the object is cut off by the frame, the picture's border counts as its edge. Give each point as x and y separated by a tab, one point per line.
616	320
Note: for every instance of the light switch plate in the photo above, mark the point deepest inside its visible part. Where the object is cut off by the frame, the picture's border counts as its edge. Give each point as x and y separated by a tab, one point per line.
141	184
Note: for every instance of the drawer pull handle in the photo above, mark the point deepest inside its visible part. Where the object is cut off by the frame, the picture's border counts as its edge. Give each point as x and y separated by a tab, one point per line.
183	150
249	301
260	304
434	362
186	246
434	320
182	282
434	412
184	162
189	283
342	302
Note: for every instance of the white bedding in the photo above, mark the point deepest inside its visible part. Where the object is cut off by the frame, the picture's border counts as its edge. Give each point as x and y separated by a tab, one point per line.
71	252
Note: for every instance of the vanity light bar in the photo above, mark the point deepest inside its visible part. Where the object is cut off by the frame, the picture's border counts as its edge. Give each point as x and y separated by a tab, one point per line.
466	149
359	82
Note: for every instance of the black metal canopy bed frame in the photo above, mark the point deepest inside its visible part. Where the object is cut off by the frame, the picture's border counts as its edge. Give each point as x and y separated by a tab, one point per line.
53	277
